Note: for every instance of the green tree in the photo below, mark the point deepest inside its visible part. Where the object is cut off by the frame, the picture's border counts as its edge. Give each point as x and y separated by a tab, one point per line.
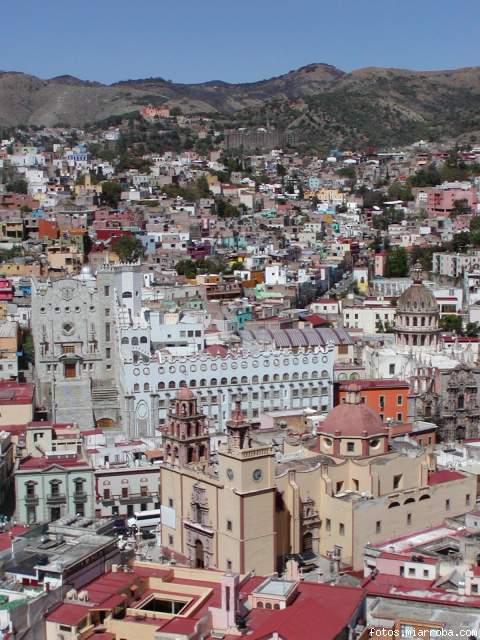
451	322
400	191
472	329
18	185
397	263
203	187
460	208
429	176
461	242
111	192
186	268
129	248
424	255
27	345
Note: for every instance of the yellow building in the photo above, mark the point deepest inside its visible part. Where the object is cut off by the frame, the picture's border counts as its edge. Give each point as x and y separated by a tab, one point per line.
350	489
353	489
224	519
16	403
64	258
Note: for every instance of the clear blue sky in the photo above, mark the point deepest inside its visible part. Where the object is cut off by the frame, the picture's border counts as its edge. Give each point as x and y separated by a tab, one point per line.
247	40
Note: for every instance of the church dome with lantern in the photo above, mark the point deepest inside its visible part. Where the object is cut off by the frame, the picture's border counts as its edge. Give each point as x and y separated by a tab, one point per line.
352	429
417	317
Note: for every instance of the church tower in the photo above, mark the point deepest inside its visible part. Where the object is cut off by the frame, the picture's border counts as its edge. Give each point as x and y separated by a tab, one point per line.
246	528
186	438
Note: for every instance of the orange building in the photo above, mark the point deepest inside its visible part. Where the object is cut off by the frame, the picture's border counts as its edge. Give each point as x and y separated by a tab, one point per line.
48	229
389	398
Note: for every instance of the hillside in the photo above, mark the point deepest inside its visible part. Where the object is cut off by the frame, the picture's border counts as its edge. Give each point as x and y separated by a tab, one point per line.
323	105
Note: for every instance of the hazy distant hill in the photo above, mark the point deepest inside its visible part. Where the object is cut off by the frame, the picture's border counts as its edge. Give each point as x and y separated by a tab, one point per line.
321	103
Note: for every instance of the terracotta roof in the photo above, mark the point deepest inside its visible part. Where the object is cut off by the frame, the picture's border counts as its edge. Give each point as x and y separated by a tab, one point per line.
217	350
333	605
71	614
15	393
184	394
445	475
353	420
45	463
7	536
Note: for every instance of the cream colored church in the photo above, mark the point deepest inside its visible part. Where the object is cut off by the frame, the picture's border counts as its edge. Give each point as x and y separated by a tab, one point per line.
248	511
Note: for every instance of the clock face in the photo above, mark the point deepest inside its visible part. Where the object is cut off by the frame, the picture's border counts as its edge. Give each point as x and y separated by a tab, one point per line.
257	475
230	474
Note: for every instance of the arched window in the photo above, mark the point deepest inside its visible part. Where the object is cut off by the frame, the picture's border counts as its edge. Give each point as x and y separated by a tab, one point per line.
143	340
268	605
259	605
203	382
254	379
308	541
409	501
135	341
146	387
127	294
161	385
304	375
124	340
136	387
171	384
223	381
424	497
193	383
244	380
234	380
295	376
266	378
393	504
285	377
325	374
276	377
314	374
213	382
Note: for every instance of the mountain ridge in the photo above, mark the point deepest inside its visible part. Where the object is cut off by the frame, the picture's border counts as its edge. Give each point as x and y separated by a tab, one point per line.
368	105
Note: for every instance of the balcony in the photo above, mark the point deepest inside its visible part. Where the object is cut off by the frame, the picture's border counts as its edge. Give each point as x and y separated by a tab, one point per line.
57	498
32	500
80	496
135	499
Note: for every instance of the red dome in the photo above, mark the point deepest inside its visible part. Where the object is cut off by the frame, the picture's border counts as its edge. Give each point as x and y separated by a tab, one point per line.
352	420
184	394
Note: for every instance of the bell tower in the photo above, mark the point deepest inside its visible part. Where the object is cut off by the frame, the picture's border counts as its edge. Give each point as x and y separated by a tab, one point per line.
246	528
186	439
238	430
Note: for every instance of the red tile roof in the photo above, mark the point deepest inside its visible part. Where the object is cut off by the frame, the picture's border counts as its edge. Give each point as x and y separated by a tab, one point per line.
217	350
417	590
15	392
70	614
333	605
7	536
45	463
445	475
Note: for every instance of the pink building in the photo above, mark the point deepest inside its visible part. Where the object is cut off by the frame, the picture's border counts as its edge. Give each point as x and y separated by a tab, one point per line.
441	200
379	264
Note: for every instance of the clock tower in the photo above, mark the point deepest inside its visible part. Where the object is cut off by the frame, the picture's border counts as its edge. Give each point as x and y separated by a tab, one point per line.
246	528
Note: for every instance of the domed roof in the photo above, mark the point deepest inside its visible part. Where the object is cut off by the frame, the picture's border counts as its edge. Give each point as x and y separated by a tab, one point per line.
184	394
353	418
417	298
